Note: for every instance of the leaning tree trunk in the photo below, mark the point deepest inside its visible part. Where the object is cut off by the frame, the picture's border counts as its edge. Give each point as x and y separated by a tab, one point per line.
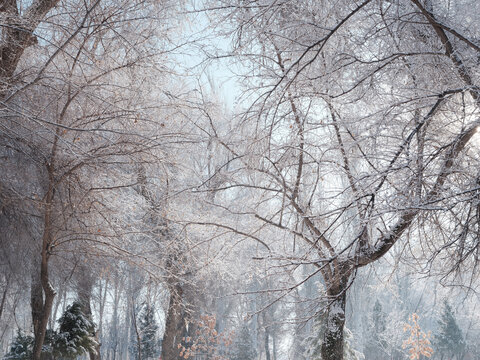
37	307
41	310
333	344
42	304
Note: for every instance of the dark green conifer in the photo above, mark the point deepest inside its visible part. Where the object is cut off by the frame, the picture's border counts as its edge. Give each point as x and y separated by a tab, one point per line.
243	347
76	333
375	346
21	347
148	332
449	341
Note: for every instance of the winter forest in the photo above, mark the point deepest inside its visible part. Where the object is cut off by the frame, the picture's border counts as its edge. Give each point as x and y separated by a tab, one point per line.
239	179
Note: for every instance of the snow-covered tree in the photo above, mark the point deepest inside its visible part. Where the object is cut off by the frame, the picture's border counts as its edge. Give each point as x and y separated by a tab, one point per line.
449	342
76	333
242	347
21	347
377	325
70	100
357	131
149	345
349	353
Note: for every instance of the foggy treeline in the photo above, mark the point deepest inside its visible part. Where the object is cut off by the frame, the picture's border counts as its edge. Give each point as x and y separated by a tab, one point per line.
239	179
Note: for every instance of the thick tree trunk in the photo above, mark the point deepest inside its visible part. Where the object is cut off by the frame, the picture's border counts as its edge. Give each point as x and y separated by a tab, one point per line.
175	327
36	302
18	34
332	344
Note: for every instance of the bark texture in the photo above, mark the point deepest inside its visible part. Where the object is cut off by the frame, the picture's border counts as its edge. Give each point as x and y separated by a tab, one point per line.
332	345
18	35
333	342
175	326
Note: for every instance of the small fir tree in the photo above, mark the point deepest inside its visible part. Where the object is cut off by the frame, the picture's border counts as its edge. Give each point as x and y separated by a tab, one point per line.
242	347
76	333
48	348
349	353
378	317
21	347
449	341
148	332
313	343
376	344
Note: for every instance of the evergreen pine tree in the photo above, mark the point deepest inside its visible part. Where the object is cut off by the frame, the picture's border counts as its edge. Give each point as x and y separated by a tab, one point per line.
242	347
313	343
76	333
375	346
21	347
349	353
449	341
148	331
48	348
378	317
